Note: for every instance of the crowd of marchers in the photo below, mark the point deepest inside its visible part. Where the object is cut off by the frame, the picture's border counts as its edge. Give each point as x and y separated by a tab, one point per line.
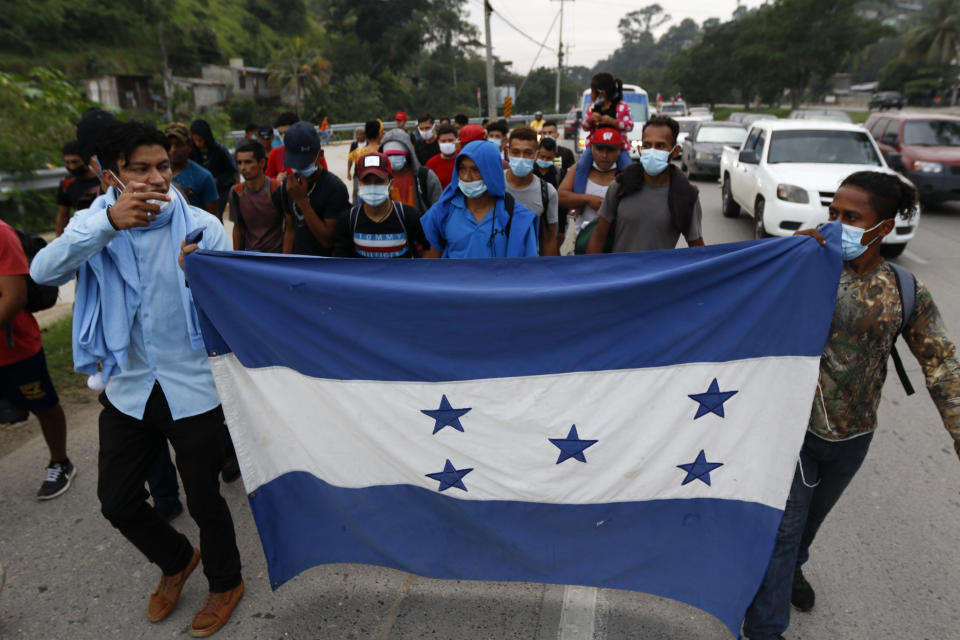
444	189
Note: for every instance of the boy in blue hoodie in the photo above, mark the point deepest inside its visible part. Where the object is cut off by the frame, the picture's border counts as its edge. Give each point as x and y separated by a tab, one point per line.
473	219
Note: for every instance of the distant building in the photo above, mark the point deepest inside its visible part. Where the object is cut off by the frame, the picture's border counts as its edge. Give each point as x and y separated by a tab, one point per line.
241	80
121	92
205	93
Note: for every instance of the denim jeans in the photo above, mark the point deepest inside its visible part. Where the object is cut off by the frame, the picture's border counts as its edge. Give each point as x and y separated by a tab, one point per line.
823	473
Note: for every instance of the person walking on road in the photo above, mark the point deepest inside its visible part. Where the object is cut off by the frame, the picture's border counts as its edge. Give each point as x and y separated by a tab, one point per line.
538	121
79	190
652	204
476	217
530	190
258	223
873	307
24	379
196	183
413	184
215	158
583	190
443	163
426	144
141	328
311	197
565	158
376	226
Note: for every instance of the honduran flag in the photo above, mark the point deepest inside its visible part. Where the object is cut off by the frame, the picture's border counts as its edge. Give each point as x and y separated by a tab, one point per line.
628	421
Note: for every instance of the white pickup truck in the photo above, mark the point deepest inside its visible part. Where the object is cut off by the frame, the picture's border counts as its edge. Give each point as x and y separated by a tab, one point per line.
786	172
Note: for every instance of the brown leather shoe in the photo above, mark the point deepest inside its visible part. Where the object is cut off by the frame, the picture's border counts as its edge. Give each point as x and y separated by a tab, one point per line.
164	597
215	612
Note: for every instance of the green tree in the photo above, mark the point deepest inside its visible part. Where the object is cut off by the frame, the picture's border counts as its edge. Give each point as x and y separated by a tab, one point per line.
299	68
935	36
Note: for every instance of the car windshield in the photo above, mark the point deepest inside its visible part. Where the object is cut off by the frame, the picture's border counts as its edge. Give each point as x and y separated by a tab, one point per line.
822	147
672	108
722	135
932	133
687	126
833	116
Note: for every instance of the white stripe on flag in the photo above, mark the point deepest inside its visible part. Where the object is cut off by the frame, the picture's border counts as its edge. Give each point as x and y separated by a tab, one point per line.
362	433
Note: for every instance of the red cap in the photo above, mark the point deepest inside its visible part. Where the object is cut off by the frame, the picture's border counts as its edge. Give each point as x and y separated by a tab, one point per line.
401	115
375	163
606	135
471	132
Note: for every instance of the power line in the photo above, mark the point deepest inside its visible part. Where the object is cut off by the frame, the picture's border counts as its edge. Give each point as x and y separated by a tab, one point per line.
539	51
517	29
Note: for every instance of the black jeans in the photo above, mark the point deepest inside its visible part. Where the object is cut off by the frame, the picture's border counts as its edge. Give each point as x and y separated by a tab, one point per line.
128	451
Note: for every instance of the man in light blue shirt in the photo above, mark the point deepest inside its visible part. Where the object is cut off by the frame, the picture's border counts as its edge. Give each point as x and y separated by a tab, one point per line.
134	319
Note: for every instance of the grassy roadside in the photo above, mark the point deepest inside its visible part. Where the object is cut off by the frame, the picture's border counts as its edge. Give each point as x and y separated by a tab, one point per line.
58	346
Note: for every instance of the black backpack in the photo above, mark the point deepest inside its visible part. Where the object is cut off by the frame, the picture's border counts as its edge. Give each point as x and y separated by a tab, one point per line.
39	296
907	286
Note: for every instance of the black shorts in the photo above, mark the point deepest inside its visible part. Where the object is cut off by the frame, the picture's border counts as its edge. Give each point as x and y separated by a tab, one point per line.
27	384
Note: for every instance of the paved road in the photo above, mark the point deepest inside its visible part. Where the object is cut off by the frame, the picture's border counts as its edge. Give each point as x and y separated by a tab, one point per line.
884	565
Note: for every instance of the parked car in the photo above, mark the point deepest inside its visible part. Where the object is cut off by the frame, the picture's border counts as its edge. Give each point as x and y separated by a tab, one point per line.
701	113
677	109
702	149
571	124
923	147
833	115
786	172
750	118
687	124
886	100
737	116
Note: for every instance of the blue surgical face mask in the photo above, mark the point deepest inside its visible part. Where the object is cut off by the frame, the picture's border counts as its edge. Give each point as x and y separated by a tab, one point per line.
521	167
851	239
655	161
473	189
543	164
374	194
309	171
398	162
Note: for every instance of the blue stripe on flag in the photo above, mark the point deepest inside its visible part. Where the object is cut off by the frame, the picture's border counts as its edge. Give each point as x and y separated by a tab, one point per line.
709	553
425	320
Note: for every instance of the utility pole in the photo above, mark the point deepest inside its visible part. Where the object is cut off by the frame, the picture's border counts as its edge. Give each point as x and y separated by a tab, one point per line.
559	60
491	90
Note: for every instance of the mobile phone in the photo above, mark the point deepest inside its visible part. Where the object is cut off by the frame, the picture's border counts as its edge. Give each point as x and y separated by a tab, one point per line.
194	236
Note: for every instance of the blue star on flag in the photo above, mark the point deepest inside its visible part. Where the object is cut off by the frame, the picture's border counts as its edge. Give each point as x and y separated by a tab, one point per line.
446	415
572	446
699	469
450	476
712	400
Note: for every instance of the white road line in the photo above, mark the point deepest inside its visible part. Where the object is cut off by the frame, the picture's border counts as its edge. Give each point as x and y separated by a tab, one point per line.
578	615
910	255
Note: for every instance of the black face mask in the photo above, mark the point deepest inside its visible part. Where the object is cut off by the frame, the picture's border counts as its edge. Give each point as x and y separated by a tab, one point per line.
78	172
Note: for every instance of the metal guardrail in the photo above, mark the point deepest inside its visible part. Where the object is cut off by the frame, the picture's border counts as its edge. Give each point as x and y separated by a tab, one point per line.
39	180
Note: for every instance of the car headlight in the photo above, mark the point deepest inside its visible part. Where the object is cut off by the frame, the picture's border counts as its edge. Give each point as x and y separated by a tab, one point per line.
703	155
927	167
792	193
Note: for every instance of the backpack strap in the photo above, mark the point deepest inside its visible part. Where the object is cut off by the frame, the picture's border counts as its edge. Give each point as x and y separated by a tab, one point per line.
422	174
544	194
907	287
354	216
509	203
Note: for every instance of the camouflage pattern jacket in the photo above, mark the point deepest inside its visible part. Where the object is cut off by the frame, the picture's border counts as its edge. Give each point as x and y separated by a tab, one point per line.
854	362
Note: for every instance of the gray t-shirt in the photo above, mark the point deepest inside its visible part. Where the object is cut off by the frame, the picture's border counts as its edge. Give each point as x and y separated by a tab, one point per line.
642	220
532	199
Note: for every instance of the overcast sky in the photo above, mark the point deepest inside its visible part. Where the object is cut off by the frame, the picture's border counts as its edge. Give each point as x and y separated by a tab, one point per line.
590	26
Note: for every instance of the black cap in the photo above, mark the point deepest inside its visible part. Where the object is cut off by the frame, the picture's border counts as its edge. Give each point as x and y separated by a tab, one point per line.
302	143
91	127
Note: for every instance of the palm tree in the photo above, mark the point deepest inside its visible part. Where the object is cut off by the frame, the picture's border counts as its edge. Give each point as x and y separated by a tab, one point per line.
935	36
297	67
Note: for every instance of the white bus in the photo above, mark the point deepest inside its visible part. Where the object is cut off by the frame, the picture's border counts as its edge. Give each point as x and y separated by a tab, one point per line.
636	98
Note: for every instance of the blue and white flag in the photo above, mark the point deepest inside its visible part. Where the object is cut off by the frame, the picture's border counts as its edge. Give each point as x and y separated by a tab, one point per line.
629	421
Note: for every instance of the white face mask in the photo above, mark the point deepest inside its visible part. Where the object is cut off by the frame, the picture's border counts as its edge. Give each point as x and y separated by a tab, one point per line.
448	148
427	134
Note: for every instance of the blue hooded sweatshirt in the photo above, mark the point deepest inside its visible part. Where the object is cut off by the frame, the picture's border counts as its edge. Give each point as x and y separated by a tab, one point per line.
450	227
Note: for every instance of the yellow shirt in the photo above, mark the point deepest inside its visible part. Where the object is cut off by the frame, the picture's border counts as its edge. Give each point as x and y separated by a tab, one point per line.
536	125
